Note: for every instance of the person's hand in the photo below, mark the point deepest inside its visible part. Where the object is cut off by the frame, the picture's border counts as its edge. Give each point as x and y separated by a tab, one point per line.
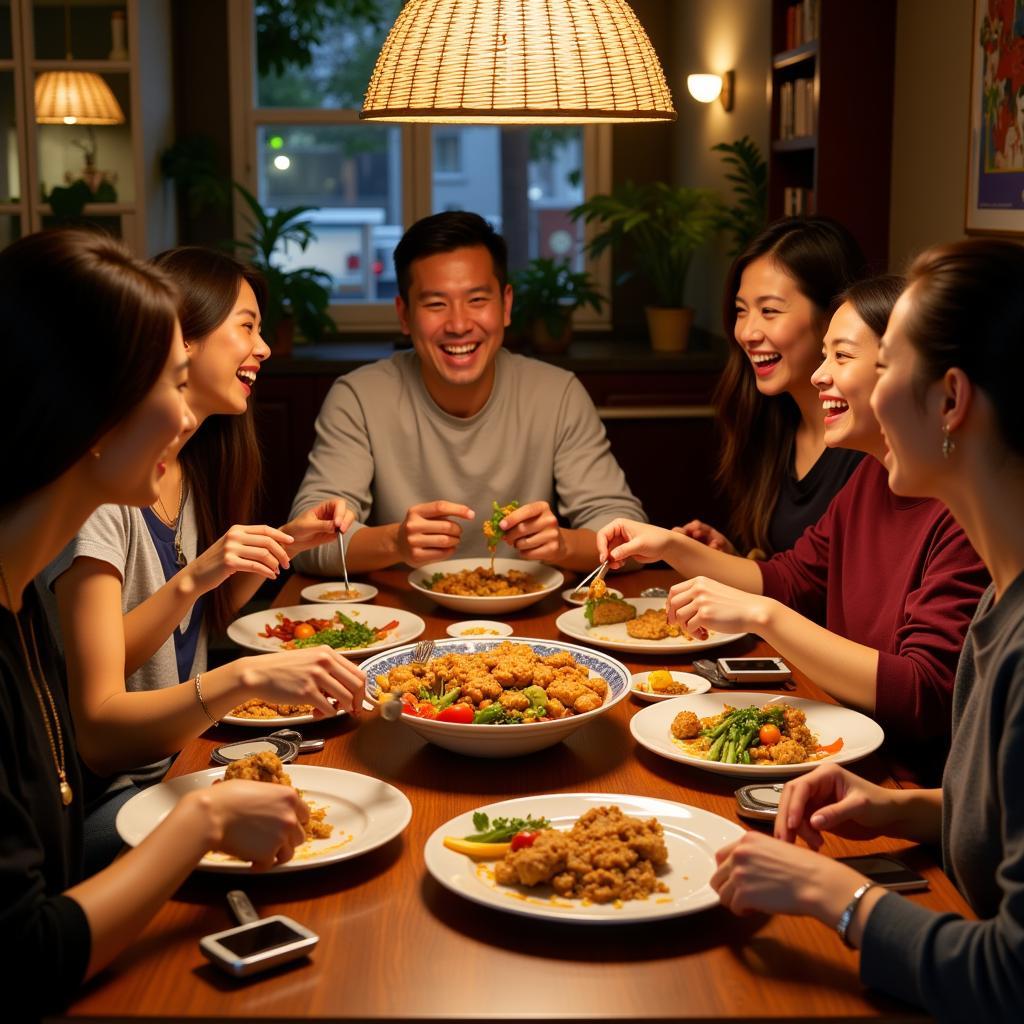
256	821
705	534
831	799
319	525
533	530
713	605
761	874
623	539
308	675
426	534
256	549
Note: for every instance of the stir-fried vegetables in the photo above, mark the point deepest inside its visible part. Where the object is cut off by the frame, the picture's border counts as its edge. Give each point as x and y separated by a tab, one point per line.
348	635
734	734
492	527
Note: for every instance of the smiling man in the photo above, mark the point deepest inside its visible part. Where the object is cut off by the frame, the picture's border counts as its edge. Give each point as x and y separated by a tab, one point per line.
422	443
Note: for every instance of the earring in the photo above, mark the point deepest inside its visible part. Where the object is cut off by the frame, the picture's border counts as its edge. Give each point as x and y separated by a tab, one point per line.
948	444
95	453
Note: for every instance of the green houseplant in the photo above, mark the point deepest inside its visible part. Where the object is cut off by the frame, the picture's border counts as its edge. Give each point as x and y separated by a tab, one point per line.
660	226
748	173
545	294
295	298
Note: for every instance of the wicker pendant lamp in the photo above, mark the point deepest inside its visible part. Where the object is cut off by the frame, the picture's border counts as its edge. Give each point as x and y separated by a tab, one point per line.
517	62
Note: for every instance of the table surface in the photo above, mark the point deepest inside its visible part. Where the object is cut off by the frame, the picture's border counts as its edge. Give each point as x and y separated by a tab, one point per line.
396	945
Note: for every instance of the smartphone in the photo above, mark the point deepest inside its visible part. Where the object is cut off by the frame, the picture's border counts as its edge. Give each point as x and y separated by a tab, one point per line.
754	670
886	871
256	946
759	801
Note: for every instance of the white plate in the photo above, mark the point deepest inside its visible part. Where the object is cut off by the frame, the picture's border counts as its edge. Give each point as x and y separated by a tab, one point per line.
472	628
244	631
581	597
861	735
615	637
551	580
692	836
364	592
278	722
696	683
365	812
503	740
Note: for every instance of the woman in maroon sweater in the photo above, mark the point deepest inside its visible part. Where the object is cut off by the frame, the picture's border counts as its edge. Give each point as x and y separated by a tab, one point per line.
895	579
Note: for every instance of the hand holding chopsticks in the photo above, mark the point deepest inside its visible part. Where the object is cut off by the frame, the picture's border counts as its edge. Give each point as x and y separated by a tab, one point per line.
595	576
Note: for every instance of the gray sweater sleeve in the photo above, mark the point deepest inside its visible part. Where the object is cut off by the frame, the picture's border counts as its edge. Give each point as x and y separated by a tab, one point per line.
340	466
591	486
957	969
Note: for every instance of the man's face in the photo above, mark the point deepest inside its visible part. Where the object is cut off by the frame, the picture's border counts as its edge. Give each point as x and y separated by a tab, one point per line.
456	316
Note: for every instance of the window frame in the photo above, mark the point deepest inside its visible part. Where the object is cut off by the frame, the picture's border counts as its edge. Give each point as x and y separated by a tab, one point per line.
417	170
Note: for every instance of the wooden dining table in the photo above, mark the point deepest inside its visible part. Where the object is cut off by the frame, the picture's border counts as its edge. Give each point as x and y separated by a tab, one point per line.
395	945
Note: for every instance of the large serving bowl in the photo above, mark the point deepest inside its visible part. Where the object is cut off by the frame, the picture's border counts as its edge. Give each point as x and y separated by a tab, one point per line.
487	607
502	740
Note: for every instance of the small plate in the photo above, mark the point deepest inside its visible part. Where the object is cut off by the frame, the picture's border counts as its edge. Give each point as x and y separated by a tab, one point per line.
697	684
479	627
277	722
319	593
581	597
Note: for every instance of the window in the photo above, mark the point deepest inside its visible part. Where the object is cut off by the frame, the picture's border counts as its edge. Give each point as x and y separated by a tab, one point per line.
297	141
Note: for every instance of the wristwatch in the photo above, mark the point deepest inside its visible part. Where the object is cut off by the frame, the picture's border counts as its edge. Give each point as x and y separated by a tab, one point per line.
843	924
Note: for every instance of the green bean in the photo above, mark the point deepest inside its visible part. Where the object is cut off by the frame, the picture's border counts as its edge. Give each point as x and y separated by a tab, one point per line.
715	753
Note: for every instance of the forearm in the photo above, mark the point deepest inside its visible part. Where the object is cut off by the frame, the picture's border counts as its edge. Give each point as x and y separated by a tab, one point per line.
151	873
580	550
148	625
691	558
242	586
917	815
846	670
372	547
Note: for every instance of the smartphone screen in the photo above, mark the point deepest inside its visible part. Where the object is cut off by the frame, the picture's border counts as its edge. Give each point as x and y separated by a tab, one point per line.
751	665
886	871
269	935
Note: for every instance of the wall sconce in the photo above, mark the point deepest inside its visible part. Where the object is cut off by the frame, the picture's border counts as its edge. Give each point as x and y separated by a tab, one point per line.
708	88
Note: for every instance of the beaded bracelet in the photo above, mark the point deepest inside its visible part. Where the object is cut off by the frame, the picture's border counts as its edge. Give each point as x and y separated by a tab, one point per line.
202	703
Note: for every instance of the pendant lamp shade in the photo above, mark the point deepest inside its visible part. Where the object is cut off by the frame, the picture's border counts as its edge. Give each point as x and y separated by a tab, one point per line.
517	62
75	97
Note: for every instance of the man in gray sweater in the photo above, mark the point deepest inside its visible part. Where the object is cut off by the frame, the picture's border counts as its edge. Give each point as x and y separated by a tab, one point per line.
422	443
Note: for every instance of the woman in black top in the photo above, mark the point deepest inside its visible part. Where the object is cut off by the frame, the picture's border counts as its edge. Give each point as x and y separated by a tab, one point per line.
91	339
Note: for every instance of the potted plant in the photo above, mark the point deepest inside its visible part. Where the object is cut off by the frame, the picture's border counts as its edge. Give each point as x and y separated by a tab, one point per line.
545	294
662	226
746	218
295	298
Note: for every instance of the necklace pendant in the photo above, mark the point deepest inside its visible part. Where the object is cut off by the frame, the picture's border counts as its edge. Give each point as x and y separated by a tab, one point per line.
179	554
66	796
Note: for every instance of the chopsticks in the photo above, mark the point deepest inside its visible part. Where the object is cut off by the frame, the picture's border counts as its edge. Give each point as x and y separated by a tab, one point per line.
344	567
597	574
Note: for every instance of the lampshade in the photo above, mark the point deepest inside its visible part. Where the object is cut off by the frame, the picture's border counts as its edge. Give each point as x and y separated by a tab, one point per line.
517	62
75	97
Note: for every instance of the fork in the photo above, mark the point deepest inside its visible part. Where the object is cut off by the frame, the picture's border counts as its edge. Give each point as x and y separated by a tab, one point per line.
598	574
391	709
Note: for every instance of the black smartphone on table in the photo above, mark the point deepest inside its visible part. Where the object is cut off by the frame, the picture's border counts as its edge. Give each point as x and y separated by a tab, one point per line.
886	871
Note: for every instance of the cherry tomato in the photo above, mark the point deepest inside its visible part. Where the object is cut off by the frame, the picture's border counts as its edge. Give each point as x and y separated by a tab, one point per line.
523	839
303	631
461	713
426	710
409	699
769	735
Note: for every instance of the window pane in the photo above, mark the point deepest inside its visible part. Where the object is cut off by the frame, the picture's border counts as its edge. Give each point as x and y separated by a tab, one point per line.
10	179
6	50
344	54
90	31
351	175
523	181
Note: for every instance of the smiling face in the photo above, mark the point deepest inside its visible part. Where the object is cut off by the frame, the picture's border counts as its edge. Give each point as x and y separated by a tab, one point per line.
132	456
456	317
845	380
911	424
224	364
778	327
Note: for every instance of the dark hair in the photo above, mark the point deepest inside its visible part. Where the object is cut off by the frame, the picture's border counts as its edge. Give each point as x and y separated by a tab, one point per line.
446	232
968	312
86	330
221	461
873	299
757	432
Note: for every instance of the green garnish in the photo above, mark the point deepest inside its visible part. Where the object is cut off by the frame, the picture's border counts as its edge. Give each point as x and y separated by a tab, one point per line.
492	528
433	580
592	603
351	634
501	830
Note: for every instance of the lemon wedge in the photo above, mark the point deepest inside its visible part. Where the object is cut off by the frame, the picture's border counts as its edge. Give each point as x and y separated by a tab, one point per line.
477	851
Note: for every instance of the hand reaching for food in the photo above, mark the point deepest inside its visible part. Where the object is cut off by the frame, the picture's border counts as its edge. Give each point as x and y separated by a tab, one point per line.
705	602
533	530
623	539
708	535
319	525
427	534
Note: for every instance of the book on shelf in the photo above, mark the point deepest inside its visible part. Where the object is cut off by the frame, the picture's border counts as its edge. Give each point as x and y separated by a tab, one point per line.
797	202
802	23
796	108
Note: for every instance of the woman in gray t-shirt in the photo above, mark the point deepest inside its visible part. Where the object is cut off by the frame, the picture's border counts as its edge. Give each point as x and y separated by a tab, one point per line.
948	401
136	591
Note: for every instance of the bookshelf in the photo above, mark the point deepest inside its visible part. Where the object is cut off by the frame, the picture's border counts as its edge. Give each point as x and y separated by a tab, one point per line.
831	115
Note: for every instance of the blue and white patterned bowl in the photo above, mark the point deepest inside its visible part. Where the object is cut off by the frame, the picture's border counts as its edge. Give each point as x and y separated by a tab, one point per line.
502	740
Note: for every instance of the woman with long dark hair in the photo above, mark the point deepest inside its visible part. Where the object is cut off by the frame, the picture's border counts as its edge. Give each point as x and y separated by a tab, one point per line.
948	400
895	581
774	468
90	337
175	570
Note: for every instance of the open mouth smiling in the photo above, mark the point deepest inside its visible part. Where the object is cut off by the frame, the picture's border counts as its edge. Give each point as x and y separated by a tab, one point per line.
833	407
464	349
764	359
247	377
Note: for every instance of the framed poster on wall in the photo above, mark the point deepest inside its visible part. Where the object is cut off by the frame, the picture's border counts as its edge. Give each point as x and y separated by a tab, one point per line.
995	175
